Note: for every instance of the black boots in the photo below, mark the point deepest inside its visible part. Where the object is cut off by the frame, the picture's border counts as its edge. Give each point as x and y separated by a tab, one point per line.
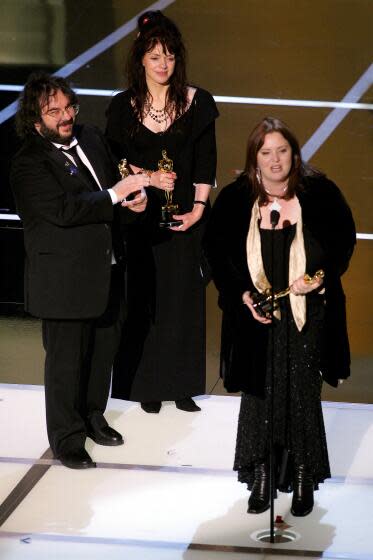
259	500
303	487
302	503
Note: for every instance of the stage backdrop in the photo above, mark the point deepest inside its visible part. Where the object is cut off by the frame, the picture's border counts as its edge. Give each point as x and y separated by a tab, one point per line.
295	60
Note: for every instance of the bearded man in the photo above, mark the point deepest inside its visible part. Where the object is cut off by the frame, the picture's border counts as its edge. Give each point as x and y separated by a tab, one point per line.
71	204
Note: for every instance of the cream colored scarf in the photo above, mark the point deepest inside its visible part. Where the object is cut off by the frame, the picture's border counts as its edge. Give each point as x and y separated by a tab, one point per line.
297	264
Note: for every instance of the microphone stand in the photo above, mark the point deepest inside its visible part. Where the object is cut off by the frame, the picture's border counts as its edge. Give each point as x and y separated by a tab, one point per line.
274	216
281	536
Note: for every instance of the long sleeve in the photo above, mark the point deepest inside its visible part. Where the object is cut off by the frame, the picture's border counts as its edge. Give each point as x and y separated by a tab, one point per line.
205	157
225	244
41	196
328	216
203	135
342	233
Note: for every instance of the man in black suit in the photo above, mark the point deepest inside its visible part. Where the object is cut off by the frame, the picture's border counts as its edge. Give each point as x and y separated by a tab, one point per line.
74	265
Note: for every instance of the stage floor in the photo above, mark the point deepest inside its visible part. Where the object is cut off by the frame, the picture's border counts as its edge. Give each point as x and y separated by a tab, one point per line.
169	493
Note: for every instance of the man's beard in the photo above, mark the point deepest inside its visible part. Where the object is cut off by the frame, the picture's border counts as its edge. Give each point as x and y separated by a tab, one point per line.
53	135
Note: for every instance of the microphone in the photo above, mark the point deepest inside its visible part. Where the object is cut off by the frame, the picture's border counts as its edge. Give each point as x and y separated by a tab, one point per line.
275	216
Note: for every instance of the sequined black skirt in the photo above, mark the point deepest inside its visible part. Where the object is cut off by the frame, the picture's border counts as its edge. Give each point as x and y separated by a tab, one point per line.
299	434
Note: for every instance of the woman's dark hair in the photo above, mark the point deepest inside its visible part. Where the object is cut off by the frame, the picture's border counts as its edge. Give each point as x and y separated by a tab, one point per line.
155	28
39	87
299	169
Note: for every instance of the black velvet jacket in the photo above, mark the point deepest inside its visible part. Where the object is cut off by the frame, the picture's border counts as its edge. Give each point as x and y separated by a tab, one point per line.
328	222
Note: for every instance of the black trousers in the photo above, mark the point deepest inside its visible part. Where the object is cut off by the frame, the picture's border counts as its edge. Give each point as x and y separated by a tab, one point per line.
78	363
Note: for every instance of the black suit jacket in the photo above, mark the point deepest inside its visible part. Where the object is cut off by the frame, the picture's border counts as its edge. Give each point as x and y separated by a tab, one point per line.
67	227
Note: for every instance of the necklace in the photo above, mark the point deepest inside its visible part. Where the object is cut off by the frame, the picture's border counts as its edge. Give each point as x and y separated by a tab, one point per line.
285	188
158	115
275	205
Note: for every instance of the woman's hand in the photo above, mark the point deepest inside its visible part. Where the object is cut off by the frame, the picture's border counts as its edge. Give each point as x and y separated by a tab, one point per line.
246	299
163	180
138	203
188	219
301	286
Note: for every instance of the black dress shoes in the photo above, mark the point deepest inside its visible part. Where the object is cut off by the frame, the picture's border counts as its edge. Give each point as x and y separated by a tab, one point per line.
151	407
187	404
302	503
259	500
106	436
76	459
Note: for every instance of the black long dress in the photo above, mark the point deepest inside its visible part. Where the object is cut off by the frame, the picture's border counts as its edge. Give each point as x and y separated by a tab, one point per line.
299	434
162	353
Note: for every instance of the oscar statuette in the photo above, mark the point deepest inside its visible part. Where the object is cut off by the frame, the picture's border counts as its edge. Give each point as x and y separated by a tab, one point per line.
166	165
125	171
262	302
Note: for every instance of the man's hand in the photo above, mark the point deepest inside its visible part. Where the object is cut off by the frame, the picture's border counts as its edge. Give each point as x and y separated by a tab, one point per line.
129	185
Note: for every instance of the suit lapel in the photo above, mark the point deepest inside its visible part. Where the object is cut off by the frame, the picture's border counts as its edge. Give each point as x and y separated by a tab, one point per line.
64	163
52	152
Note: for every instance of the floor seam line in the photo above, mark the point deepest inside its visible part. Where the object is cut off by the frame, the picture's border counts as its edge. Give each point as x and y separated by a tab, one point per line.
23	487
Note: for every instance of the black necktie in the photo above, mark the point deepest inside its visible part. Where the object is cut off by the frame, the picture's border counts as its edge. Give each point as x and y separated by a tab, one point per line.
82	168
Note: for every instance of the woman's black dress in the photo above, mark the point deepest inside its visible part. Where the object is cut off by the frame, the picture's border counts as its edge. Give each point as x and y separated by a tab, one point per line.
299	434
162	352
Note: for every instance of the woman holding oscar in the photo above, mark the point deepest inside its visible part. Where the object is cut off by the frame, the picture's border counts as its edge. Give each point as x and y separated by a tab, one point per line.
167	128
315	232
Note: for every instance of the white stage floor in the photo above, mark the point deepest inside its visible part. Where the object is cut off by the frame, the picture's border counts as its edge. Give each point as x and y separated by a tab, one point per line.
169	493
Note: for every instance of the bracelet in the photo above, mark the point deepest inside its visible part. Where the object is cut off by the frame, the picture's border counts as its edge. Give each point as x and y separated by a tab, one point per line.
200	202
